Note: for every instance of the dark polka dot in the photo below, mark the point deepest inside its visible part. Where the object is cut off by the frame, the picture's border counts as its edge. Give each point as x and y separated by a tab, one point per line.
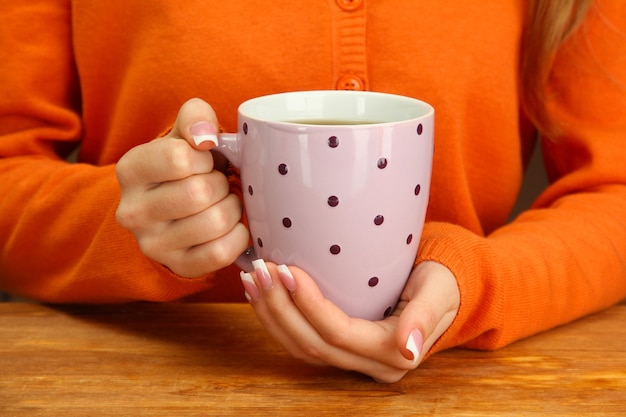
250	190
245	128
333	141
418	189
382	163
373	282
335	249
409	239
287	222
420	129
388	311
333	201
283	169
378	220
260	242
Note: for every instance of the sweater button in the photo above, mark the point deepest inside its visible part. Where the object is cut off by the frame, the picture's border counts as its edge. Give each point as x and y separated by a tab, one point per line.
349	5
351	82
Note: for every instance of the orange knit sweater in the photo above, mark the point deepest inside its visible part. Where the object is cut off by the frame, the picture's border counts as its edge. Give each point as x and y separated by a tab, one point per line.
112	74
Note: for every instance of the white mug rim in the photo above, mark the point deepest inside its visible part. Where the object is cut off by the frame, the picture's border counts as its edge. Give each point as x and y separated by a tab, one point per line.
414	109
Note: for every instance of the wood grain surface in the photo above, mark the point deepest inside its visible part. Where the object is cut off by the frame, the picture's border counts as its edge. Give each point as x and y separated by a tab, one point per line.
215	359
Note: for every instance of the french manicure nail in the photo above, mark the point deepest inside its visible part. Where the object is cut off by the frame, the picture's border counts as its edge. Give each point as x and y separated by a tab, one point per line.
252	292
262	273
415	343
202	132
287	278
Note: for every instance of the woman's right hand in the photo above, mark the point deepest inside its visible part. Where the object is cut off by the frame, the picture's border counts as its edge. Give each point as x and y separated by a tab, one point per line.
178	207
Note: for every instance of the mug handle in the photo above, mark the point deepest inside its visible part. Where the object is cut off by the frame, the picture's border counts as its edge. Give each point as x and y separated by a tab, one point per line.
244	261
230	145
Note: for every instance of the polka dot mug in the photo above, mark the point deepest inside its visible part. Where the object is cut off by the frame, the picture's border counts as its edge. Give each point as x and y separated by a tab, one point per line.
337	183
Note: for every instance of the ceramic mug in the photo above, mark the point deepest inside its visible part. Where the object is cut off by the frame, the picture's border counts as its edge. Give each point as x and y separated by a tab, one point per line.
337	183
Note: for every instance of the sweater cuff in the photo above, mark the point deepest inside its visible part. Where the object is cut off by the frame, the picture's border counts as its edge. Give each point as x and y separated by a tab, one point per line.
469	257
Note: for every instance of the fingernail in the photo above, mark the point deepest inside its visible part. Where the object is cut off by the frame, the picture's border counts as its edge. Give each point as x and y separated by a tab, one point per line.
252	292
262	273
415	343
287	278
202	132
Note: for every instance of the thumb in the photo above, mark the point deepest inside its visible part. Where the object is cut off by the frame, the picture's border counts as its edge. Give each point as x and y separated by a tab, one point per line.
432	301
197	124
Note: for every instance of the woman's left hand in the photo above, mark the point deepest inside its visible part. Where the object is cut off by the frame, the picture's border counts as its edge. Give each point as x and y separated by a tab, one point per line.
294	311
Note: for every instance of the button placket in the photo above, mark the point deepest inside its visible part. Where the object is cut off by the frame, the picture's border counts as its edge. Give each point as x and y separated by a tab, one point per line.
349	37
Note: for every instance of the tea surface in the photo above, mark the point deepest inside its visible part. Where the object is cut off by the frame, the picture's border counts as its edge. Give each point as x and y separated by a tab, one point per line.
334	122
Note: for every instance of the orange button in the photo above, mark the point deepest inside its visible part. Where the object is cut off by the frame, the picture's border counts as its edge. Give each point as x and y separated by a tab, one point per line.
351	82
349	4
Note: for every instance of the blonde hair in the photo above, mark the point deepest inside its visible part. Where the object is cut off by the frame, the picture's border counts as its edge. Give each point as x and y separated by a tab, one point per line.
550	23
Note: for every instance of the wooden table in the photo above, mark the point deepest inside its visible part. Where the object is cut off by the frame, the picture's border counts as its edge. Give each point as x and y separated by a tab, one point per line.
215	359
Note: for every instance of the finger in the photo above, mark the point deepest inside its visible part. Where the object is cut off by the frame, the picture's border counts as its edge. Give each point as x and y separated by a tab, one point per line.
431	301
183	198
291	324
210	256
373	340
282	318
252	285
173	242
208	225
197	124
161	160
332	336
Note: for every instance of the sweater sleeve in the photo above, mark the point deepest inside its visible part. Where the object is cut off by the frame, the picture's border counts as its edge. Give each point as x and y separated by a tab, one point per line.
59	238
566	256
